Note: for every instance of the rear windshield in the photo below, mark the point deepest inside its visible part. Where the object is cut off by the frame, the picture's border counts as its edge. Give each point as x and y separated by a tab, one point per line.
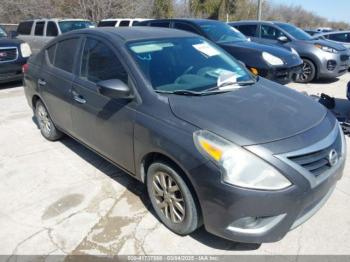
166	65
294	31
67	26
2	32
221	32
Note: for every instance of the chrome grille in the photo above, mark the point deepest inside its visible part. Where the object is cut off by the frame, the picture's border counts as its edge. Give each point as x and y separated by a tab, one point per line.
8	54
318	162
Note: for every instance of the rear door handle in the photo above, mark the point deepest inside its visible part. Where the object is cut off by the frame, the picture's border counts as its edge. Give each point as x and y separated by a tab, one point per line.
78	98
41	82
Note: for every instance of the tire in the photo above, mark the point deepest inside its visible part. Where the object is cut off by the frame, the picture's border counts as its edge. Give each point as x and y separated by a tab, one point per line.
309	72
182	221
45	123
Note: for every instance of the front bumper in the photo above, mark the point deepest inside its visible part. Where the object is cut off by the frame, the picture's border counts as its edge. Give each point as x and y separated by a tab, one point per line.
282	75
333	65
11	71
257	216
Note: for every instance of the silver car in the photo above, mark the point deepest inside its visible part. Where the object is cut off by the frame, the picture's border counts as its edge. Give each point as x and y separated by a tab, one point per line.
322	59
38	32
340	37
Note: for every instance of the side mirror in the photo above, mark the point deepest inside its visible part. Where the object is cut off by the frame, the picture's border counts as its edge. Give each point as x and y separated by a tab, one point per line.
114	88
283	39
13	34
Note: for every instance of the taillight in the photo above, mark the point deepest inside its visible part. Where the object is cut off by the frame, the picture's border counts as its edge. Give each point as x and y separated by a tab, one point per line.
25	68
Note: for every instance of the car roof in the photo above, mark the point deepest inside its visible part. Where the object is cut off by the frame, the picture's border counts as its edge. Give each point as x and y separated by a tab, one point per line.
257	21
54	19
191	20
117	19
135	33
334	32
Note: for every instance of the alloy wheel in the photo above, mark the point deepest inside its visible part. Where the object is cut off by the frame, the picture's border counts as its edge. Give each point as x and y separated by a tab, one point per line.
169	197
44	120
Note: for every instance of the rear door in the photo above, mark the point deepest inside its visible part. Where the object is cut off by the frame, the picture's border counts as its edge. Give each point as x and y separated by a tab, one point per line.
51	31
38	40
57	78
104	124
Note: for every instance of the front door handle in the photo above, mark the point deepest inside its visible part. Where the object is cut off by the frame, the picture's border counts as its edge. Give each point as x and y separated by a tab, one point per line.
41	82
78	98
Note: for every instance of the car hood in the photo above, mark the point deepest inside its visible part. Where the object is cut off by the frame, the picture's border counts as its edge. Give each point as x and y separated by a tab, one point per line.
256	114
244	49
332	44
6	42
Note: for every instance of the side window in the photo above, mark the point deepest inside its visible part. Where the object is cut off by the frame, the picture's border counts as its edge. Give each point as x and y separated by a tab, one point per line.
100	63
51	53
107	23
160	24
185	27
25	28
51	29
270	32
248	30
65	53
124	23
39	28
342	37
135	22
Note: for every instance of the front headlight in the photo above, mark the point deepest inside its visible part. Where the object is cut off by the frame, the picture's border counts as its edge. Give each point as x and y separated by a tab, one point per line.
294	51
271	59
25	50
239	167
326	48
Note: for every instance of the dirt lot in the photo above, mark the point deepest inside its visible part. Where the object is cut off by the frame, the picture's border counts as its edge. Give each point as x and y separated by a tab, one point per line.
61	198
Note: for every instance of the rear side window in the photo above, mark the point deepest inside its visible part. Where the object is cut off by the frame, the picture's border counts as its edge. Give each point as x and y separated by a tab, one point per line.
160	24
65	53
25	28
248	30
100	63
124	23
106	23
185	27
51	29
135	23
39	28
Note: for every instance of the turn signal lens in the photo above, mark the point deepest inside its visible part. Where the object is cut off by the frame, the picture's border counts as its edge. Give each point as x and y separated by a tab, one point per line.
254	71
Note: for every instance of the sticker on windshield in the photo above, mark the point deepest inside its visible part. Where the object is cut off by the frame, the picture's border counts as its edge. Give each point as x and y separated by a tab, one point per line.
206	49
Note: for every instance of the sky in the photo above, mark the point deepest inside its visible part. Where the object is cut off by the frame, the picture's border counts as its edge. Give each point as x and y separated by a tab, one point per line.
334	10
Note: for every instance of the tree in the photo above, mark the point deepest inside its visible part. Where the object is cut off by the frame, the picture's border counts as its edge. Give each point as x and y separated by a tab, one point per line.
163	9
213	9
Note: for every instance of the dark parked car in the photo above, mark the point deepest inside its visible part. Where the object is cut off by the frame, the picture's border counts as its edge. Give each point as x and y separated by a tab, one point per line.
248	158
13	55
322	59
277	64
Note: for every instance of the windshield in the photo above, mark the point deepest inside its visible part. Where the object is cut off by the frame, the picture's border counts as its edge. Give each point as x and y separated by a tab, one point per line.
191	64
221	32
67	26
295	32
2	33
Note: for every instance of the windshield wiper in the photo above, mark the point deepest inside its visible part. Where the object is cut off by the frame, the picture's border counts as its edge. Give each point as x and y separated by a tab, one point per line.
191	93
239	83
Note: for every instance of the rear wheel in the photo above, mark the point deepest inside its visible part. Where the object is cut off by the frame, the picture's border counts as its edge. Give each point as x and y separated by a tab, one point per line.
46	125
308	72
172	199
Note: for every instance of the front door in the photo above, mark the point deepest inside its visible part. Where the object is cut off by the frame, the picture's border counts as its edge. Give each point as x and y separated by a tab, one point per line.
104	124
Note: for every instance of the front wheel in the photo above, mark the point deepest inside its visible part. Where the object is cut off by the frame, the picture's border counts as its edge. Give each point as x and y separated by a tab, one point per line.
308	72
46	125
172	199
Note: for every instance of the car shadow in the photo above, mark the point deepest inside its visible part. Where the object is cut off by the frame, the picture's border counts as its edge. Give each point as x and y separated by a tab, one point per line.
138	188
11	85
325	81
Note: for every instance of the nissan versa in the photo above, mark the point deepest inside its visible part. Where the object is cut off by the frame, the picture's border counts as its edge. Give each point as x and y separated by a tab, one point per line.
248	158
275	63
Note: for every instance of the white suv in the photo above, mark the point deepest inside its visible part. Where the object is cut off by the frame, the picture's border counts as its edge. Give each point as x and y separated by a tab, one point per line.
38	32
120	22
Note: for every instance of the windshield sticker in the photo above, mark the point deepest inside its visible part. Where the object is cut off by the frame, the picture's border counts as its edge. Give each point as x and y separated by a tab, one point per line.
147	48
206	49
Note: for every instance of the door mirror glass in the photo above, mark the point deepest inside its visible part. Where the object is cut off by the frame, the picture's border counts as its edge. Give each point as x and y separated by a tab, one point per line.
282	39
114	88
